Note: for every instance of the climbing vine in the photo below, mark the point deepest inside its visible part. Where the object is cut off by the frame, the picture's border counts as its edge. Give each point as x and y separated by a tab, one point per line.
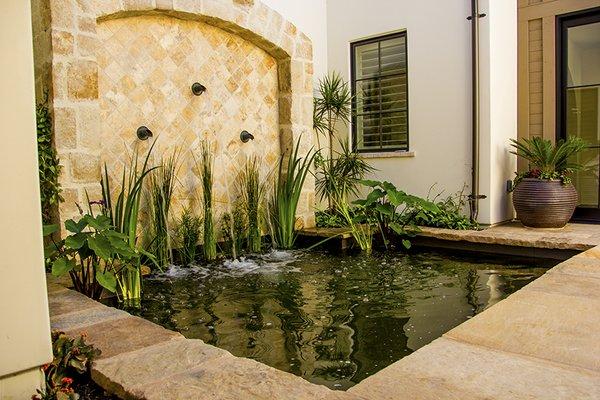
49	167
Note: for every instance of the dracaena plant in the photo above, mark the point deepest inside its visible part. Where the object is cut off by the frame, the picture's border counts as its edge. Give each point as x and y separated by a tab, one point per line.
94	254
546	160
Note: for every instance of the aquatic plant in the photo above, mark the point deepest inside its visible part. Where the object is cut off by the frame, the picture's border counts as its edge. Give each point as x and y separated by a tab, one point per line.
161	184
234	227
188	236
48	163
253	193
209	246
339	178
394	210
291	174
123	213
449	214
95	256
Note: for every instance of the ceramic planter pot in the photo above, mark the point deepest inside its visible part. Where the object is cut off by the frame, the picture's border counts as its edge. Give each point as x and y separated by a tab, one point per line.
544	204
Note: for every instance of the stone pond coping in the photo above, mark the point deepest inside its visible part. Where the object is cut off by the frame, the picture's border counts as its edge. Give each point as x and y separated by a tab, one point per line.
542	342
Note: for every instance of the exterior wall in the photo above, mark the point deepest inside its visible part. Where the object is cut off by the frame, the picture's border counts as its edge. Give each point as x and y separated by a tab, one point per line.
25	327
144	62
537	63
75	27
310	16
439	80
498	107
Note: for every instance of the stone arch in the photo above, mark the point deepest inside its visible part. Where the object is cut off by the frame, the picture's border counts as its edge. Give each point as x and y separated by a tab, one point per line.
74	76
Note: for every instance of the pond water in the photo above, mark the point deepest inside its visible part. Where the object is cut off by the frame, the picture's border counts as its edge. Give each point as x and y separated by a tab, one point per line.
333	320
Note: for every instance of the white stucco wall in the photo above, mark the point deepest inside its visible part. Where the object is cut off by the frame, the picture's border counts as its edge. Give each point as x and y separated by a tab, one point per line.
439	79
24	325
310	16
498	57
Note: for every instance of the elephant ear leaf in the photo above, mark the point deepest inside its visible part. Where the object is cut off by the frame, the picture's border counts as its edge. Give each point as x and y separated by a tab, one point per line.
49	229
61	266
406	244
107	279
101	246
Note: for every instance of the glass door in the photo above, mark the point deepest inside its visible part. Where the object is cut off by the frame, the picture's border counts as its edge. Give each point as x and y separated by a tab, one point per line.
578	102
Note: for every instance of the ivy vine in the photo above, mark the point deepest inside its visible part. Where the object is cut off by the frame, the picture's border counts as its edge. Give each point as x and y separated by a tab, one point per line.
49	167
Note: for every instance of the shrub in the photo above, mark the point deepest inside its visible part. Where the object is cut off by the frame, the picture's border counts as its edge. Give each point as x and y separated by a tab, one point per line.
449	214
72	359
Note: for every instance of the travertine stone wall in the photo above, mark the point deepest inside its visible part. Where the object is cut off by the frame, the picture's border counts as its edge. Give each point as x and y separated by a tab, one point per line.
257	68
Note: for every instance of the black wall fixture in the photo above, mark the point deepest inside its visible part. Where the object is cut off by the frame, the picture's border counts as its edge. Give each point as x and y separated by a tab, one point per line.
245	136
198	88
143	133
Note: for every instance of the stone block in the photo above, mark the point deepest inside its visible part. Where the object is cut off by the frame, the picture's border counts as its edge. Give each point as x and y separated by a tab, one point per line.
138	5
231	378
65	128
64	302
82	83
80	320
127	334
532	323
85	167
450	370
123	373
62	42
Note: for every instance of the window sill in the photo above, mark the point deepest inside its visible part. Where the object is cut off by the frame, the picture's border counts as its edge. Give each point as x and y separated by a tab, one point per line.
388	154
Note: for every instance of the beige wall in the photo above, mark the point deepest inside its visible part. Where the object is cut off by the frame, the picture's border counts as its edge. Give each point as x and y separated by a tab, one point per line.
25	328
146	66
262	41
439	80
537	63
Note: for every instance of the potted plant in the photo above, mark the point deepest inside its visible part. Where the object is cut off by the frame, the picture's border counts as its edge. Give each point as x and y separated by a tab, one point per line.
544	196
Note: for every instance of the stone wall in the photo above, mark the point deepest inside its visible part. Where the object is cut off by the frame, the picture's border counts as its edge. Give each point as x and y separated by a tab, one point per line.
115	65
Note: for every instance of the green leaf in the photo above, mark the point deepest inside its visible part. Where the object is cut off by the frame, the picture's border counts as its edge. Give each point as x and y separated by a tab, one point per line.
396	227
62	265
406	243
100	223
49	229
385	209
100	245
75	227
76	241
370	183
107	279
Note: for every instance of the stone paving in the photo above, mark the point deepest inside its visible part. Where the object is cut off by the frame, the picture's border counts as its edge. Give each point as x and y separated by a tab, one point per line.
542	342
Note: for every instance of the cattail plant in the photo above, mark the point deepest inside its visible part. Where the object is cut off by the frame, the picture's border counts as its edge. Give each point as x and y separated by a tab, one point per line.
209	246
160	189
252	193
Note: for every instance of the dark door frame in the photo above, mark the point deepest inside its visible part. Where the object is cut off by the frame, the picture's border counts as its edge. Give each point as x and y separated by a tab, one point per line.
563	22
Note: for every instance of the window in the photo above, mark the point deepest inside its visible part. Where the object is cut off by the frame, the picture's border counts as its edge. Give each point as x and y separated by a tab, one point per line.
380	90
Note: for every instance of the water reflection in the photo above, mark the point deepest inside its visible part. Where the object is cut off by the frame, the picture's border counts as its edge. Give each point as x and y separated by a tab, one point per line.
332	320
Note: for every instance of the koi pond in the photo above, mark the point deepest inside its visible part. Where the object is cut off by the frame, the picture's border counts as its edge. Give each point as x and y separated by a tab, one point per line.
333	320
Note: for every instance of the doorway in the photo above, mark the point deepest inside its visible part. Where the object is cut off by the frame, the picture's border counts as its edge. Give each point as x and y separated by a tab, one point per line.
578	101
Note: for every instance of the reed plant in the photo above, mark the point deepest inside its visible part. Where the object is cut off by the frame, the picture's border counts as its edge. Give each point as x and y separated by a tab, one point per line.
124	216
253	191
234	227
188	233
209	246
161	185
287	187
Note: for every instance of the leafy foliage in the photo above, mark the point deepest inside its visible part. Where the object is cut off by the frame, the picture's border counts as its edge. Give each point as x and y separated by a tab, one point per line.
286	192
330	219
331	104
123	214
253	191
209	246
449	214
546	160
49	165
93	254
392	209
188	236
72	358
339	178
161	184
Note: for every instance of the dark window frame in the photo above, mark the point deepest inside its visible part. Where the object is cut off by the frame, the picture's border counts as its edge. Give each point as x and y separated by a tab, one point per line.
353	46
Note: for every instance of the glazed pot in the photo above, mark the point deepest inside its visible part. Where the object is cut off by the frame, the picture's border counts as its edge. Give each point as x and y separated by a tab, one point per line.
544	204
